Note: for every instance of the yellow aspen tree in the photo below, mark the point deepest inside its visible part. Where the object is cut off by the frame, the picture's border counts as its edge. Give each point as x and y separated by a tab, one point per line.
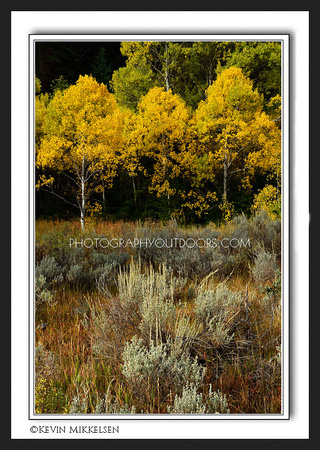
130	155
268	199
82	137
160	133
41	107
231	126
266	159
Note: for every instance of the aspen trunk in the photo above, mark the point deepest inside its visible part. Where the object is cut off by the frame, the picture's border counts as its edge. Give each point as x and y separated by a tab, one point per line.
82	221
225	181
83	206
167	70
134	192
83	197
167	81
103	198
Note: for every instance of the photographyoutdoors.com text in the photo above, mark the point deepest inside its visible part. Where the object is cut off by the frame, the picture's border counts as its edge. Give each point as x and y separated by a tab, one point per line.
175	242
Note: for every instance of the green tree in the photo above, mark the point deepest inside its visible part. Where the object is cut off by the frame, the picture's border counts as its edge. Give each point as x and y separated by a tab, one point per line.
197	69
261	62
187	68
148	65
160	57
131	83
102	68
59	84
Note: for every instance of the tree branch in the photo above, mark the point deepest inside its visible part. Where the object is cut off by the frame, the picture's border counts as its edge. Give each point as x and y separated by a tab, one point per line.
71	178
238	170
59	196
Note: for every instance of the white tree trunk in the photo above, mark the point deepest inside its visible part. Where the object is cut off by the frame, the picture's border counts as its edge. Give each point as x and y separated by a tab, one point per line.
134	192
82	220
83	196
225	180
167	70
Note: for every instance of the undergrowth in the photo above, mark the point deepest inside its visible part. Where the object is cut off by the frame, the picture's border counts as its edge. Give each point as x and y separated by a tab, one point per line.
151	330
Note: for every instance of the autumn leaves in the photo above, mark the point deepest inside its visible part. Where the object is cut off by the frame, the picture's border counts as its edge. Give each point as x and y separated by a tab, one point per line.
186	157
235	135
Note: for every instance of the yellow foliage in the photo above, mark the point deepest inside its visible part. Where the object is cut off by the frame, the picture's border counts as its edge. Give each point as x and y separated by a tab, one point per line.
235	134
82	131
83	122
273	108
198	201
48	398
41	106
230	96
268	200
44	181
227	210
160	132
267	154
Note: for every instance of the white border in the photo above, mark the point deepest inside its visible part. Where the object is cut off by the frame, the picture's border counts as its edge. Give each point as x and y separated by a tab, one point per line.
285	230
24	23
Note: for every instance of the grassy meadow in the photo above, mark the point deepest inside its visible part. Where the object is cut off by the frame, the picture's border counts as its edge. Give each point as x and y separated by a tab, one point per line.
158	330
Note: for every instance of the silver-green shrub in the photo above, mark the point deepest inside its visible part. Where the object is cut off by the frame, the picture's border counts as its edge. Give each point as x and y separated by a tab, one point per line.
78	405
75	274
42	294
149	296
157	315
157	367
81	275
109	405
135	285
217	309
215	303
216	402
146	305
265	231
192	402
265	267
49	268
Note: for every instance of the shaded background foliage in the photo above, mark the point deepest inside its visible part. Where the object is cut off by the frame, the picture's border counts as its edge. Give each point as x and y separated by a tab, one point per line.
71	59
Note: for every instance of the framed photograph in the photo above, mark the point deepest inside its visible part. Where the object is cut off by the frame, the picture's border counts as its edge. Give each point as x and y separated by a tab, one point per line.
158	209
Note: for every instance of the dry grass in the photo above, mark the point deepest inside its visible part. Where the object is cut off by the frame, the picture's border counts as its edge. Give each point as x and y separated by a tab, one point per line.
87	329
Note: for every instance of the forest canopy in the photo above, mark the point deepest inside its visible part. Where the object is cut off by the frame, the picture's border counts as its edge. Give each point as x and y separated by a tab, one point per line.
137	130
